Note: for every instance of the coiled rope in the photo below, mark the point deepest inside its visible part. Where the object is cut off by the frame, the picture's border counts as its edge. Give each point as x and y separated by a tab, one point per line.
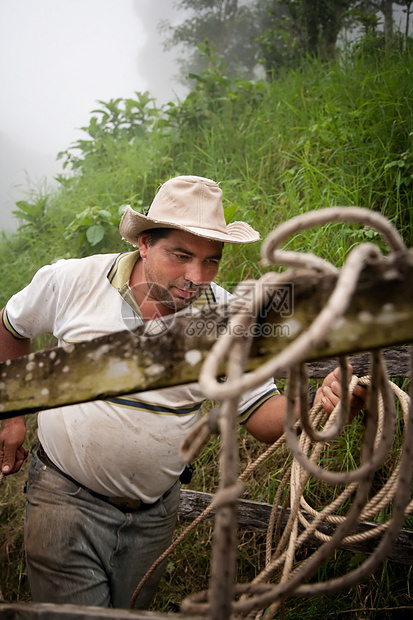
219	602
224	599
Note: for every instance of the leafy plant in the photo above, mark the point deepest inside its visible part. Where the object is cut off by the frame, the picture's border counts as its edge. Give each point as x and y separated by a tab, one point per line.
92	227
118	120
32	215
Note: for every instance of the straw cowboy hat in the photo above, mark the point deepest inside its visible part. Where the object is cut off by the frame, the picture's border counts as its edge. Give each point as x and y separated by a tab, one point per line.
187	203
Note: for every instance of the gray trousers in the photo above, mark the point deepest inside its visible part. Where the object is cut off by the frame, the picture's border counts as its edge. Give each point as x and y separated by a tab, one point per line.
82	550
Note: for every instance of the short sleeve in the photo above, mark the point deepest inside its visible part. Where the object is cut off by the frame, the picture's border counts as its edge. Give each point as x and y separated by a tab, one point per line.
32	311
253	399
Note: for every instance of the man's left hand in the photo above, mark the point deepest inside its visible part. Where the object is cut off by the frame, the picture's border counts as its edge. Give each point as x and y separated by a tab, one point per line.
330	393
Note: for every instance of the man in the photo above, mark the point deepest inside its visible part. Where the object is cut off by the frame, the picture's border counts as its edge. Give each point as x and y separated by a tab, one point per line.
103	486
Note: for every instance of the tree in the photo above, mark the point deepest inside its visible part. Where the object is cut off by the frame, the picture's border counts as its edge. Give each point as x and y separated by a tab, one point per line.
273	33
300	28
386	8
367	13
230	27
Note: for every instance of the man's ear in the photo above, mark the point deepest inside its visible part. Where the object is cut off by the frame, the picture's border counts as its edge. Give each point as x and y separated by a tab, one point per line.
143	244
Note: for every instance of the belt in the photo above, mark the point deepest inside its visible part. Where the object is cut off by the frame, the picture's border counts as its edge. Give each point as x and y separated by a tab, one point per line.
125	504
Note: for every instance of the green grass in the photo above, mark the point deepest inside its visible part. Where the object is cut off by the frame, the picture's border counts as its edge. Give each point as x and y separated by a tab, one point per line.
329	134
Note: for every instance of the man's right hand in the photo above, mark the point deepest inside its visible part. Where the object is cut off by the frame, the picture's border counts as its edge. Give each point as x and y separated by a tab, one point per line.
12	453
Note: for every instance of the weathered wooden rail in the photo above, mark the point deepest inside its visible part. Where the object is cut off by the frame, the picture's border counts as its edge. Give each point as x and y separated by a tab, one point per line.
254	517
379	315
47	611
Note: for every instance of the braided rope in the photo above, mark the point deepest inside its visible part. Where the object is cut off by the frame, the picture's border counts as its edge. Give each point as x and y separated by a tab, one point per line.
273	563
218	602
379	431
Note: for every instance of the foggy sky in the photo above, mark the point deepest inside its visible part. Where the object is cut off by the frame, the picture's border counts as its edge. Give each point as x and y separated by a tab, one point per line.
57	59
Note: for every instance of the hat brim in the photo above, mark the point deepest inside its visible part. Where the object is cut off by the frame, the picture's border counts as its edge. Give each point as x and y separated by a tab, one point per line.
133	224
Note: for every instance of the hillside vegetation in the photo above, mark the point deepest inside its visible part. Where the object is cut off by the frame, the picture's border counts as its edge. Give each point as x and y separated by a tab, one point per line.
337	133
330	134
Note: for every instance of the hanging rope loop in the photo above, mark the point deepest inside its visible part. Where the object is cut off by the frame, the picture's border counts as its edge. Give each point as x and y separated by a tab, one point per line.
353	487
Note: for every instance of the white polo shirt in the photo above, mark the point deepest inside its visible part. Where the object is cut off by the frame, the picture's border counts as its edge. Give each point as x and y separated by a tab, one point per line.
123	446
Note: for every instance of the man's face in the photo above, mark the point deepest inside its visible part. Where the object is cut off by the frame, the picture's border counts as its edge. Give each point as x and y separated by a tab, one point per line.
178	268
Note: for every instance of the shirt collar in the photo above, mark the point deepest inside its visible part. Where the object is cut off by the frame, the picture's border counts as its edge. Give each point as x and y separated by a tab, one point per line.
120	272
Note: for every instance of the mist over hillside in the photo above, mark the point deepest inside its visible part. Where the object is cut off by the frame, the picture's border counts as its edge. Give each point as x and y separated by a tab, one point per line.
21	170
58	60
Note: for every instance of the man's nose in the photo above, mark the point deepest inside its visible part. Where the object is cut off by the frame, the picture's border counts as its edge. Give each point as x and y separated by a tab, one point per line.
194	274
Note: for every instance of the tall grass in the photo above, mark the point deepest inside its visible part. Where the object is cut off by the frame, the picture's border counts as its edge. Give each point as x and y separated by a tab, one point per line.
330	134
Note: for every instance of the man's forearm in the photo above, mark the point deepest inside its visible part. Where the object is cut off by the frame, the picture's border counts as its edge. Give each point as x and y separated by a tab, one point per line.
11	347
267	423
13	430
